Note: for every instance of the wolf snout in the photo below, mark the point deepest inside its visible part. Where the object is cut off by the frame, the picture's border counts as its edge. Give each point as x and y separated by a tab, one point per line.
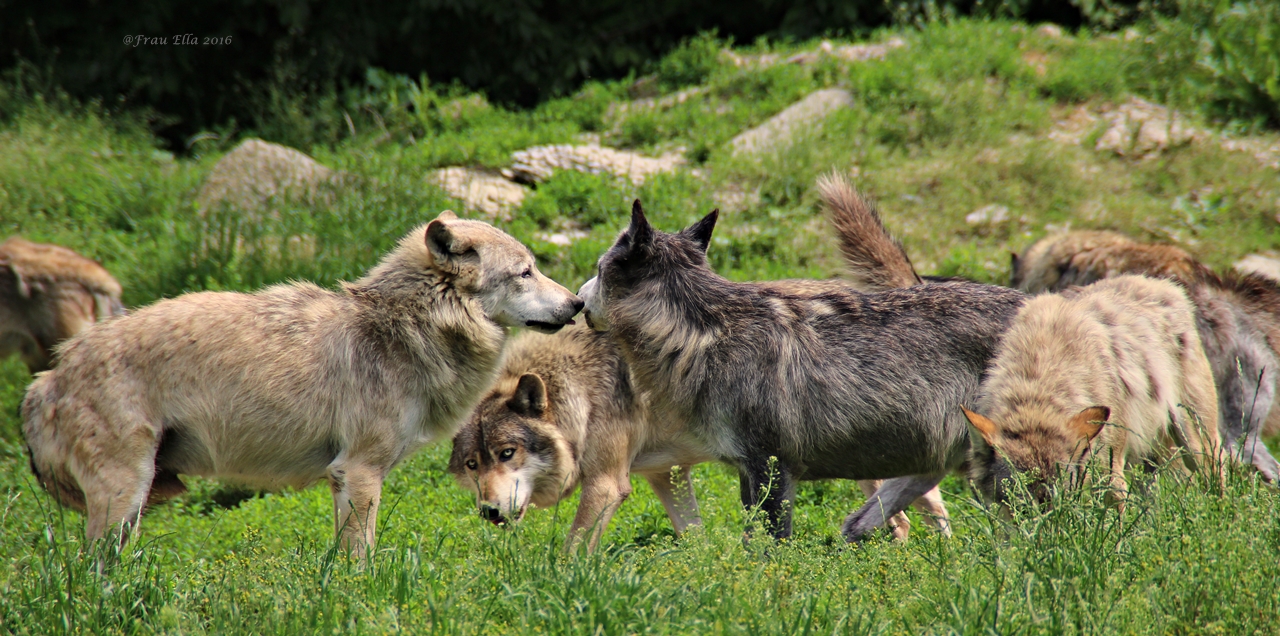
492	514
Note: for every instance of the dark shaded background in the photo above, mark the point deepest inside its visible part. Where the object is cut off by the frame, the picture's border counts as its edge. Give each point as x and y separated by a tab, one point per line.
518	52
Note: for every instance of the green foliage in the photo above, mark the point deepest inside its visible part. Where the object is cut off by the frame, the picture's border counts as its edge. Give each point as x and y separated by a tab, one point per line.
1233	48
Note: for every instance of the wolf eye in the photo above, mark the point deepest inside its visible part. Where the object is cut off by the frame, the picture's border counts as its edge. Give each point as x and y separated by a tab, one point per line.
472	464
527	273
507	454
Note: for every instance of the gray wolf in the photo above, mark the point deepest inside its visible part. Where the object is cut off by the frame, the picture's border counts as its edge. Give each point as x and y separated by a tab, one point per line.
1123	350
565	412
787	385
1238	317
288	385
49	293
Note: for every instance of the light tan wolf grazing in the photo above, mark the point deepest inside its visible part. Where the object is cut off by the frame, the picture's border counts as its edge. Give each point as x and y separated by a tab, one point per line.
1123	350
288	385
48	294
1238	316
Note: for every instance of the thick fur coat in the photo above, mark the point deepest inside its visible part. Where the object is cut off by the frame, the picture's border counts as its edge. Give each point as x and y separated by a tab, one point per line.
1123	351
48	294
786	386
289	385
1237	315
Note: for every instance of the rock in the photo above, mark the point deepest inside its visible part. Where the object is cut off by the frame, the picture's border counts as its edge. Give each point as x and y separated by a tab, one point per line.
255	171
1049	31
480	191
988	215
845	52
537	164
563	239
1265	264
776	132
1136	128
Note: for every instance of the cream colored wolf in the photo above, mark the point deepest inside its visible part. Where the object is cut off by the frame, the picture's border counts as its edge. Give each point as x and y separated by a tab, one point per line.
1238	316
48	294
288	385
1114	370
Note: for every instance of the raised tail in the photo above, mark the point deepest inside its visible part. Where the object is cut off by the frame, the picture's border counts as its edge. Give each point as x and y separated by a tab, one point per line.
875	259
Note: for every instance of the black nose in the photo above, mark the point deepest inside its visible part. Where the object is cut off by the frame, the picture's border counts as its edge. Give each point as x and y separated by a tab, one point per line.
578	304
489	512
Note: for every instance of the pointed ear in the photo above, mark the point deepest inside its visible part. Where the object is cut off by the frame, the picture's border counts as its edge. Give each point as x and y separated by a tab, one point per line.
530	399
1089	422
700	232
447	215
640	231
980	428
444	243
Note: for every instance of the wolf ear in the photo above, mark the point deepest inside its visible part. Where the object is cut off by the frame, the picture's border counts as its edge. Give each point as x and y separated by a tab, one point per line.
444	243
1089	422
700	232
981	429
530	399
447	215
640	231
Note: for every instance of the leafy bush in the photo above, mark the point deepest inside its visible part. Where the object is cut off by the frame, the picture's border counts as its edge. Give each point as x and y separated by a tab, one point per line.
1229	50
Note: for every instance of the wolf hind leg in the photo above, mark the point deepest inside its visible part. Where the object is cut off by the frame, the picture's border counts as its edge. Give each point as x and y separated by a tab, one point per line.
893	496
675	490
767	482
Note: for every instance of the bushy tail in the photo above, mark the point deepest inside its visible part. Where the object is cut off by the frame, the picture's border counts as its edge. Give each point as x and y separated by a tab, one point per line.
876	260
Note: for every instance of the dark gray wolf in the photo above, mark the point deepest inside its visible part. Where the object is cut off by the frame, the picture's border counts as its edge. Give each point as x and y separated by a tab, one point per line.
289	385
565	412
1237	315
787	386
49	293
1123	350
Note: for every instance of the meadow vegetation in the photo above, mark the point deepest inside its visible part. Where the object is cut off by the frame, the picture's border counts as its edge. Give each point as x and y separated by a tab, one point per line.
956	120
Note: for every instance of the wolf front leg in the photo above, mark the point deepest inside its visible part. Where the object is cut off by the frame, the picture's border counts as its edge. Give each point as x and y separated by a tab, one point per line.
892	497
675	489
601	496
357	489
767	485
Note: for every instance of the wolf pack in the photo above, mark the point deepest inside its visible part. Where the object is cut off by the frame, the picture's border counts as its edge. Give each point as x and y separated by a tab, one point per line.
1103	360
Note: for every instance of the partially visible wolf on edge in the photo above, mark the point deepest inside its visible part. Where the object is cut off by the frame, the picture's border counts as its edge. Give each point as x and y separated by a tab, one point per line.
1123	349
1237	315
49	293
565	411
787	386
288	385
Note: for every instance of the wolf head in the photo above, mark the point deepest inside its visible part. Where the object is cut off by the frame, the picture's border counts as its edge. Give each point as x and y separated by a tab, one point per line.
511	454
481	263
1042	447
640	254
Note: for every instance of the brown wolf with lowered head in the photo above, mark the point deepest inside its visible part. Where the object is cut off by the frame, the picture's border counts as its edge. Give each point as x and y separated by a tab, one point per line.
565	411
49	293
1238	316
1123	350
288	385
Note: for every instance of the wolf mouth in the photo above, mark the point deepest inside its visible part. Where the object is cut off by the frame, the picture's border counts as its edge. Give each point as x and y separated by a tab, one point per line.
547	327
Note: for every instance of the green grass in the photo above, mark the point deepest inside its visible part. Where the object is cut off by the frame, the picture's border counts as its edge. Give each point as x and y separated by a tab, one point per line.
954	121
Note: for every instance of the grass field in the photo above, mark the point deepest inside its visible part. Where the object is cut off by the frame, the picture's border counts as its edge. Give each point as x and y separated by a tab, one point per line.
965	116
